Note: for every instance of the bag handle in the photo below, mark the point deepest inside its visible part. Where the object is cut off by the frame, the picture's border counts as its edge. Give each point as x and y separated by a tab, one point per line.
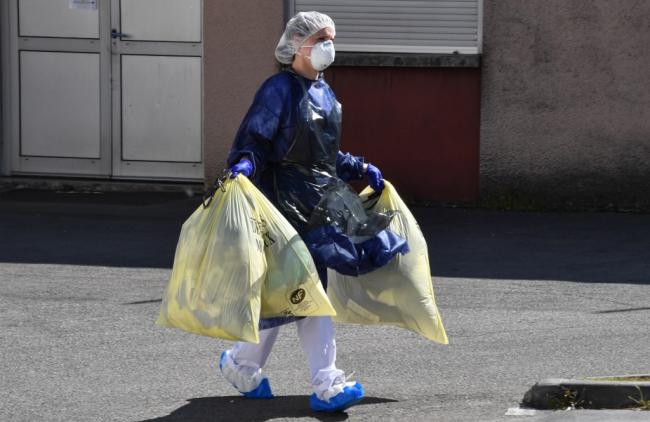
219	183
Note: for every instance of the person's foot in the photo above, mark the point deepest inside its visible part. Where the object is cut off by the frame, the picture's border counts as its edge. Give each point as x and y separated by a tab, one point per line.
247	380
338	396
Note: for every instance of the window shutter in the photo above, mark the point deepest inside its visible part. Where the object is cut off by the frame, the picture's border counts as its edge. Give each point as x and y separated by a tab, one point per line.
401	26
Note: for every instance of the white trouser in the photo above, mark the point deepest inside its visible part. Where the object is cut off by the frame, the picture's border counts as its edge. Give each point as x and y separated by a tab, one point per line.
316	338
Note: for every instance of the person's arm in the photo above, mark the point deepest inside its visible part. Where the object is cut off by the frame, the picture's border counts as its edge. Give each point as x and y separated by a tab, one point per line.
257	131
349	167
253	140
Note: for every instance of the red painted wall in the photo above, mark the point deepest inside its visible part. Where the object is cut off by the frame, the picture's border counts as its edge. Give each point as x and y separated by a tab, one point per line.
420	126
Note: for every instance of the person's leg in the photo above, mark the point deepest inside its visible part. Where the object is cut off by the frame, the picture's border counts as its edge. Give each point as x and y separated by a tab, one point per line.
316	336
242	365
331	391
255	355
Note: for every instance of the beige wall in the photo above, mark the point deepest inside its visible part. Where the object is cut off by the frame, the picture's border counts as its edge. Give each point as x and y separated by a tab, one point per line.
565	101
239	42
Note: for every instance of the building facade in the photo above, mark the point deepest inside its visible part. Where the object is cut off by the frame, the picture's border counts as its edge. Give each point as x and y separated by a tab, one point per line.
454	100
564	102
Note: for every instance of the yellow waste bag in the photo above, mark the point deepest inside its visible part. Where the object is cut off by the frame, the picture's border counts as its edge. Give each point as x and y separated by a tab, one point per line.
399	293
292	286
236	260
219	269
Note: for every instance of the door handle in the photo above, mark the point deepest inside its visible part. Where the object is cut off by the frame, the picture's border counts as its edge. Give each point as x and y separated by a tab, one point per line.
116	34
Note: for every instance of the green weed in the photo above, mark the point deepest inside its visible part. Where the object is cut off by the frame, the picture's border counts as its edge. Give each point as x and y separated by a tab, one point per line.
642	402
568	399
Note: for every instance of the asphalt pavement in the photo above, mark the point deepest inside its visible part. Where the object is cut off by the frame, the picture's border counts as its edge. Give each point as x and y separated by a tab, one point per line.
524	297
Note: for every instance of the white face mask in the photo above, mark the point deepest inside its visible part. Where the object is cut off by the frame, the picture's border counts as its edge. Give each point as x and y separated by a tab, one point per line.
322	55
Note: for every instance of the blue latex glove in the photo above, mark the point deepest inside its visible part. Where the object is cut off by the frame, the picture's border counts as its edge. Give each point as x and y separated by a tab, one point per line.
244	166
375	180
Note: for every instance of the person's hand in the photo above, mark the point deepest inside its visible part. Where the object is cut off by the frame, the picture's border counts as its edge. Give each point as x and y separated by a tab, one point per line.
375	180
244	166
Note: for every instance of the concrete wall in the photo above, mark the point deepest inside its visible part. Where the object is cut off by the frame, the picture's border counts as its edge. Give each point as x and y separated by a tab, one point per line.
565	103
2	145
239	43
3	30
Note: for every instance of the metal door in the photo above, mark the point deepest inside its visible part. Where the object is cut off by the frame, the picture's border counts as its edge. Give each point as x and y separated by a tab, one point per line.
156	89
104	88
57	65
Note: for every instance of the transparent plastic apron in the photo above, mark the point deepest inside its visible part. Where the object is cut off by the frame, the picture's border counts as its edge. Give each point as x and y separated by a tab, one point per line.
309	165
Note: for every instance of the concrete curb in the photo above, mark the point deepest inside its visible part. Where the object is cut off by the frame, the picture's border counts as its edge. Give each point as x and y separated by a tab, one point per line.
587	394
96	185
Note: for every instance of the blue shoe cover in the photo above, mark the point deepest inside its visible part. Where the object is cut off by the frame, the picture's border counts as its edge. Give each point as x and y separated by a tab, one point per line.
348	397
263	391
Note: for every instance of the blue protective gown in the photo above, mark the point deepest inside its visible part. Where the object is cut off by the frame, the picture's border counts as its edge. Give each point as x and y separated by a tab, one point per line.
271	122
291	134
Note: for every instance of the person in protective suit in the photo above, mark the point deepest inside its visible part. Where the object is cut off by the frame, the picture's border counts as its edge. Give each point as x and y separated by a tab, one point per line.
288	145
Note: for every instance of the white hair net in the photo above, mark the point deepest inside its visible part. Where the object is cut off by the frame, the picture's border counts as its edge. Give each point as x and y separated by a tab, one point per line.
299	28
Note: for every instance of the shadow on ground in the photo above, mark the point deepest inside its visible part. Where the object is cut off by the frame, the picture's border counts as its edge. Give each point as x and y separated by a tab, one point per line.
583	247
237	408
141	230
104	229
